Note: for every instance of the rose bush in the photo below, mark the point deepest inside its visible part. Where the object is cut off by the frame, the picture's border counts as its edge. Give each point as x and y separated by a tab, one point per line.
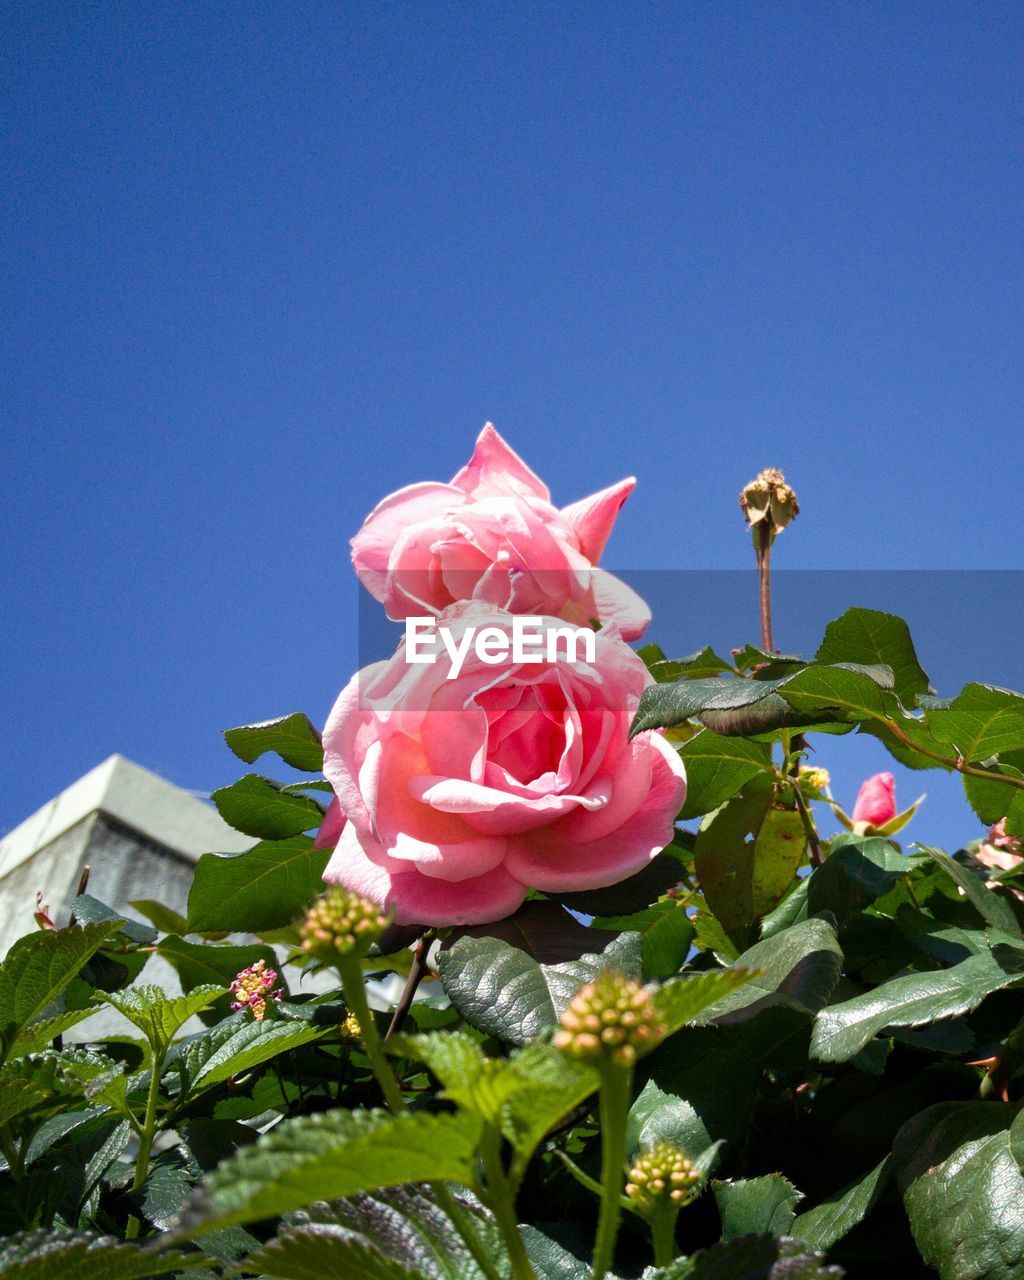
829	1023
493	534
462	794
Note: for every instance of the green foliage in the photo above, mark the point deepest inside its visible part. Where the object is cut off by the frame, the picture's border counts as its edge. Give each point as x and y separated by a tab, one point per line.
843	1032
264	888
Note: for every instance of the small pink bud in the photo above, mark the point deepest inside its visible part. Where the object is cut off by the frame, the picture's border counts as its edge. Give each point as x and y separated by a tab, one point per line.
876	801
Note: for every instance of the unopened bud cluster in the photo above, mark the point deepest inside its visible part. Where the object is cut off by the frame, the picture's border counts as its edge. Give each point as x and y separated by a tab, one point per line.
813	779
661	1176
341	923
611	1017
769	498
253	987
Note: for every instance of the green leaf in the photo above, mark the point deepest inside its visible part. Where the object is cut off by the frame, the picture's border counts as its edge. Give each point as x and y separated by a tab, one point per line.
38	967
333	1154
963	1190
755	1206
867	637
89	910
981	721
797	968
162	917
993	909
56	1255
748	1258
858	871
829	1221
657	1116
717	767
258	807
504	992
293	737
38	1036
698	996
666	941
914	1000
235	1047
746	856
263	888
158	1016
325	1249
842	693
412	1231
694	666
198	963
728	706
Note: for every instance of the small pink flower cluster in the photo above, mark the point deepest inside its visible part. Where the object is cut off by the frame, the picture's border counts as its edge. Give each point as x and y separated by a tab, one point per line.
253	987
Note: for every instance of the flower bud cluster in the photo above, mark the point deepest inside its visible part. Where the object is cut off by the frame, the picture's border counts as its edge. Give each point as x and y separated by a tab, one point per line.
612	1018
662	1175
341	924
253	987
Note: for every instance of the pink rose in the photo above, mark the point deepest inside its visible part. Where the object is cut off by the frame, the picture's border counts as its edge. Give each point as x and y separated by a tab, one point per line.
493	534
876	801
460	794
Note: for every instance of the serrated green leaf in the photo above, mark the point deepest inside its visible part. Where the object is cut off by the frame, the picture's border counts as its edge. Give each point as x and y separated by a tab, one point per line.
292	737
746	856
258	807
37	1037
235	1047
322	1249
38	967
698	996
158	1016
56	1255
797	968
330	1155
160	916
749	1258
858	871
503	992
717	767
915	1000
990	905
264	888
868	637
755	1206
829	1221
963	1190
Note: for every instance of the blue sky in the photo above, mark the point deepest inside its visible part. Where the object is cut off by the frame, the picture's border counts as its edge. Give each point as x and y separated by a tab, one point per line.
264	264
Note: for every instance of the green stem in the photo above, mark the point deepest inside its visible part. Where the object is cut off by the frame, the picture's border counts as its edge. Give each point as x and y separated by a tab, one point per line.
501	1202
146	1135
355	996
663	1236
616	1089
814	850
961	766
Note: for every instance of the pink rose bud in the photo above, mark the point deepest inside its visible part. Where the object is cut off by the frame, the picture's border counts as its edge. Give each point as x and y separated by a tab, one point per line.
493	534
876	801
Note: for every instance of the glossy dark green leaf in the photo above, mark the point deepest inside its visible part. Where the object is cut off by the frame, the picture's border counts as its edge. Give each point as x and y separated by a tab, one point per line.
292	737
717	767
264	888
504	992
258	807
756	1206
963	1190
992	908
868	637
830	1220
858	871
915	1000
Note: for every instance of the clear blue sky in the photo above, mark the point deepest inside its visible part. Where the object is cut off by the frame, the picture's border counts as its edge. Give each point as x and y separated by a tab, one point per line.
264	264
